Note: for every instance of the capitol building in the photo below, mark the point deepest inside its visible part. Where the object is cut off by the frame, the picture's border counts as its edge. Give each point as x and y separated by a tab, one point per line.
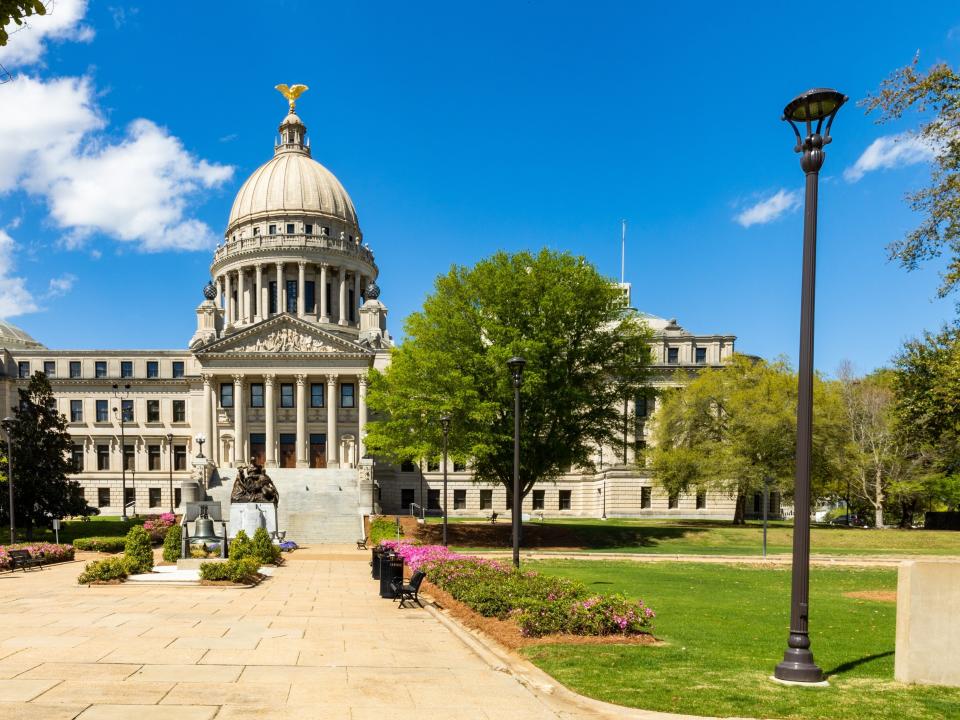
287	330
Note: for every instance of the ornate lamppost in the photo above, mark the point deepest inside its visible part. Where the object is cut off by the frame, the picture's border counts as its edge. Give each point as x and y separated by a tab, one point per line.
515	364
200	439
7	424
445	424
811	109
170	468
122	395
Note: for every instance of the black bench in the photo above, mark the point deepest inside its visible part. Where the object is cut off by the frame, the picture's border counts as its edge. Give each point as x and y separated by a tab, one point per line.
362	544
493	517
411	591
23	559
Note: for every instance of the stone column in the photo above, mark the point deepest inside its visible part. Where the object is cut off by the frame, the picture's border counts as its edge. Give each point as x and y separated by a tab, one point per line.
301	402
356	297
301	284
220	296
342	317
280	284
208	413
259	314
362	425
239	431
228	296
270	408
324	310
241	300
332	439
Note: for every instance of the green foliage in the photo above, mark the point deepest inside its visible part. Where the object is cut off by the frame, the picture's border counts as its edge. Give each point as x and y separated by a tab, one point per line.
138	550
263	548
100	544
242	570
935	94
241	546
585	353
115	568
383	528
14	11
171	543
41	448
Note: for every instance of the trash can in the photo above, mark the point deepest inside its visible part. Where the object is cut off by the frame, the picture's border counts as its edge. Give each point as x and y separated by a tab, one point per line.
391	568
375	563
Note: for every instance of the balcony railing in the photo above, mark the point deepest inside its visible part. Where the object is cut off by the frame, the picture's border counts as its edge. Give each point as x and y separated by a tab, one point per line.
294	242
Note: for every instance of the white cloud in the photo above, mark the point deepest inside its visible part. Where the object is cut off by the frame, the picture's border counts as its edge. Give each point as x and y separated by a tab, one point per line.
15	299
890	151
61	285
769	209
28	42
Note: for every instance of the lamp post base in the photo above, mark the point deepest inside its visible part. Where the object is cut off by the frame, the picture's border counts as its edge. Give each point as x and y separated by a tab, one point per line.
798	667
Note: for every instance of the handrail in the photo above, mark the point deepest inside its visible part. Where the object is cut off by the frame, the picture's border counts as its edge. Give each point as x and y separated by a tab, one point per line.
422	510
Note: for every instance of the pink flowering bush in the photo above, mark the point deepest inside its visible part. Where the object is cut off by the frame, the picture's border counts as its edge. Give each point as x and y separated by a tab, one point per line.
157	526
50	552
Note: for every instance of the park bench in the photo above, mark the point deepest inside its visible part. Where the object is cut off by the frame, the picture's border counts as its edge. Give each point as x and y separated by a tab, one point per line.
362	544
493	517
23	559
410	591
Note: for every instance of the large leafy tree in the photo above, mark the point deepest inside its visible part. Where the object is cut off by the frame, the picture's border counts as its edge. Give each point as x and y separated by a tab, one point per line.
41	462
585	353
732	429
14	11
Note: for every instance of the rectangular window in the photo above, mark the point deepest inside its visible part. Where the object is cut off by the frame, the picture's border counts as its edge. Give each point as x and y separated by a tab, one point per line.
49	368
701	356
153	457
153	411
701	500
272	229
226	395
641	406
176	497
100	369
256	231
153	497
256	395
757	503
76	456
273	297
645	498
129	497
291	296
673	501
177	369
316	395
308	228
74	369
179	411
459	499
538	499
76	411
290	229
153	369
406	498
103	457
564	500
129	459
286	395
103	497
179	457
310	296
103	412
352	304
433	499
126	368
407	466
673	356
459	466
126	409
433	465
23	369
346	395
486	499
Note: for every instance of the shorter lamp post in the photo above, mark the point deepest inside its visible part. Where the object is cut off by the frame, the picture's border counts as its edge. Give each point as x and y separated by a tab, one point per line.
200	439
516	364
445	424
7	423
170	468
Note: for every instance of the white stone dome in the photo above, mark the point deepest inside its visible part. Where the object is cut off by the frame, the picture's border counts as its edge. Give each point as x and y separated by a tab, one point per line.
13	337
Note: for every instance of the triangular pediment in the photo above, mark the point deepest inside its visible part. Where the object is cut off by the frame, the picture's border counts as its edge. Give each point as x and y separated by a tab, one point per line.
284	335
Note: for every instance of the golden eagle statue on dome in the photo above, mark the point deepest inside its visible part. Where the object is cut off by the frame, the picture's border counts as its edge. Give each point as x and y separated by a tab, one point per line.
291	93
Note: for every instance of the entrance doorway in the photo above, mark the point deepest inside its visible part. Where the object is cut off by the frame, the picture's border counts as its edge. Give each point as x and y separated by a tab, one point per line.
288	450
318	450
258	448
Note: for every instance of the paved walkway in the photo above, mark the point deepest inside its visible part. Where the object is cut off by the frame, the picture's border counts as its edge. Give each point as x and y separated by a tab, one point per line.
314	641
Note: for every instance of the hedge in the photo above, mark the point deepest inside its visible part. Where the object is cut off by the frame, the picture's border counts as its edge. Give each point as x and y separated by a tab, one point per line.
100	544
243	570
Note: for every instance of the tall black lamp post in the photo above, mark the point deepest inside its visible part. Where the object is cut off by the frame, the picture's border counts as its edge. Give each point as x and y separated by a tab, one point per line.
515	364
122	395
170	464
445	424
7	425
815	109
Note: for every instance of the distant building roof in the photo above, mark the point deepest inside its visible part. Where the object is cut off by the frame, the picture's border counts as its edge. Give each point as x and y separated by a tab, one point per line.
13	337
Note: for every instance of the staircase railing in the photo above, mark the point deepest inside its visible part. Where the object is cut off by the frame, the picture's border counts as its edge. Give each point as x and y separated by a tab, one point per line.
418	510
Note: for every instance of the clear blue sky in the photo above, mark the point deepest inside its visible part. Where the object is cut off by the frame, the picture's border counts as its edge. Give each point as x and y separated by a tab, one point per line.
460	130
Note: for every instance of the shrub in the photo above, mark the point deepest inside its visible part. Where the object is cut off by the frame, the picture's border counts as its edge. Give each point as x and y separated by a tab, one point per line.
598	615
171	543
241	546
138	551
48	552
243	570
383	528
100	544
263	548
115	568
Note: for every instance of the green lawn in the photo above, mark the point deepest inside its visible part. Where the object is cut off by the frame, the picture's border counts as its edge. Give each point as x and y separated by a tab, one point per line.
725	628
70	530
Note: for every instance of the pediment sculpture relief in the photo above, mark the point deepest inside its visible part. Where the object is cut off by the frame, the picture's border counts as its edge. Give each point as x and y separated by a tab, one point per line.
286	340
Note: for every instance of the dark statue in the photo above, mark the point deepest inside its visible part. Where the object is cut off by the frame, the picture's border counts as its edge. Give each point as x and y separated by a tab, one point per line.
253	485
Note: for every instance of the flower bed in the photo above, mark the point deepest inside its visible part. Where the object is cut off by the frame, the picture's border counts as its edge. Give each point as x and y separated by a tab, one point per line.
51	553
538	604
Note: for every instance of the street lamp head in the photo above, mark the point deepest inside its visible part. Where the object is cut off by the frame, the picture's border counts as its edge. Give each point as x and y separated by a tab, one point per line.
200	438
445	422
169	437
813	106
516	364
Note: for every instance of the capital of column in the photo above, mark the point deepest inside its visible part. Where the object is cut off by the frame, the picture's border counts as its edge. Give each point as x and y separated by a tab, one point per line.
363	380
259	266
301	380
268	380
302	263
280	265
239	378
332	380
207	379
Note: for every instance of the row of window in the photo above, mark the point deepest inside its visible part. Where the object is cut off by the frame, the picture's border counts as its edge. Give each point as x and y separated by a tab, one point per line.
102	411
699	356
153	497
432	466
256	395
291	229
537	498
129	453
75	369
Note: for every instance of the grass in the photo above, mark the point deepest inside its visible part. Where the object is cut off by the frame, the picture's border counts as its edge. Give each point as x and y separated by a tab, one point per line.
70	530
725	628
696	537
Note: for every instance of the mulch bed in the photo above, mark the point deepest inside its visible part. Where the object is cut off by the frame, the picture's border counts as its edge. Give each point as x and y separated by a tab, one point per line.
889	596
508	634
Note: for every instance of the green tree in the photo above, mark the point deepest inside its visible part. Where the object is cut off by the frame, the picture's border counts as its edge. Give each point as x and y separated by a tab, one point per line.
15	11
935	94
585	353
732	429
41	463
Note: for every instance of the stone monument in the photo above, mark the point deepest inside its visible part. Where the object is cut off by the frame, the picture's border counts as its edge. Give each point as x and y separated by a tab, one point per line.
253	501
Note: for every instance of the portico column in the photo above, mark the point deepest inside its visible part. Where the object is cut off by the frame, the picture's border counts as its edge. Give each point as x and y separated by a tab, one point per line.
342	317
208	413
301	421
332	440
258	314
220	296
239	431
279	287
301	284
228	296
362	408
271	418
356	297
241	300
324	310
